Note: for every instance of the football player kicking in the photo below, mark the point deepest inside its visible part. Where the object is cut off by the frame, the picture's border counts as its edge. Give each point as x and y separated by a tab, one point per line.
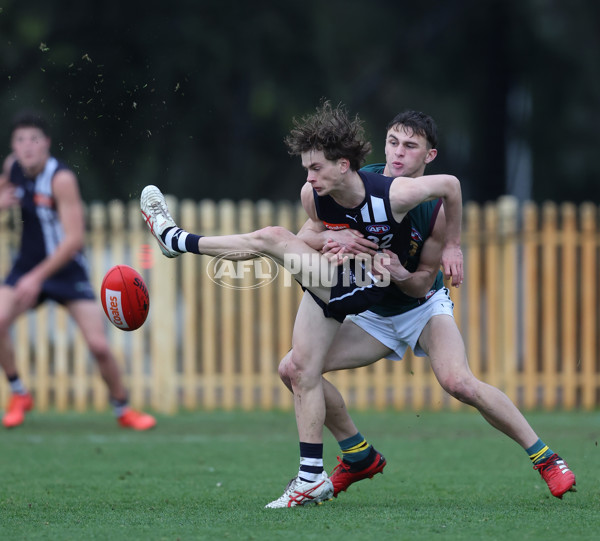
332	148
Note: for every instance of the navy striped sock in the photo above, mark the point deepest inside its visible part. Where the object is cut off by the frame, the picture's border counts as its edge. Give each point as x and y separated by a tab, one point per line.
181	241
311	461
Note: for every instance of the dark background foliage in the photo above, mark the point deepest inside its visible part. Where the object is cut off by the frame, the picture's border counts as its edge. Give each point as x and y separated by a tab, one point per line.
197	95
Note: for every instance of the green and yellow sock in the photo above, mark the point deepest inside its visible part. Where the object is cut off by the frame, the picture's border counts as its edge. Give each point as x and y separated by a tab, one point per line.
357	451
539	452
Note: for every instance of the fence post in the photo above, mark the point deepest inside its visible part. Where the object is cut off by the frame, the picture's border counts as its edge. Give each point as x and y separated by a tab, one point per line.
531	287
266	322
588	291
548	300
568	313
227	212
164	331
473	330
190	266
492	294
209	312
138	239
248	310
508	214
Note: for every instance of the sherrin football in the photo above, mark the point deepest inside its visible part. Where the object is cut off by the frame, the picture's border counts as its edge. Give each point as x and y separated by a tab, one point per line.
125	298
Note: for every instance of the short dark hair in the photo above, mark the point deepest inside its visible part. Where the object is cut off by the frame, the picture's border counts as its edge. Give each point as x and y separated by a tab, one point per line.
30	119
332	131
419	123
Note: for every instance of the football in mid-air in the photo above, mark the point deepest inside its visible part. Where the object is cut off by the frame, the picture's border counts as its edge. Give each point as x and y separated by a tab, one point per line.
125	297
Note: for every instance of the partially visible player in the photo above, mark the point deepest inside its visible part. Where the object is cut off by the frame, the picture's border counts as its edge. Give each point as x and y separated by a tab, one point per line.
50	264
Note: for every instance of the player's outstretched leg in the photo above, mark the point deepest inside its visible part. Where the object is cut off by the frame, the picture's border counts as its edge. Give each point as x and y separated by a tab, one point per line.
300	492
155	211
559	478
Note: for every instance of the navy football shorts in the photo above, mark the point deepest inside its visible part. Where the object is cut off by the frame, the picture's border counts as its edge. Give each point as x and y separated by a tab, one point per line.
350	295
69	284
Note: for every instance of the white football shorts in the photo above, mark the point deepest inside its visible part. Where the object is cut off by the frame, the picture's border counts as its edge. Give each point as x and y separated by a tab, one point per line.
401	331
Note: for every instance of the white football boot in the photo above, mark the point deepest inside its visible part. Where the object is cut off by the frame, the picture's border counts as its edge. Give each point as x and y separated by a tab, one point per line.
300	492
155	211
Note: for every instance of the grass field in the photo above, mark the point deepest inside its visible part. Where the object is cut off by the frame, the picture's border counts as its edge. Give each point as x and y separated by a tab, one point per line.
209	475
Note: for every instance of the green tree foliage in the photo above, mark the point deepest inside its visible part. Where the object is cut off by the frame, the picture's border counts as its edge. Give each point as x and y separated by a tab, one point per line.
197	95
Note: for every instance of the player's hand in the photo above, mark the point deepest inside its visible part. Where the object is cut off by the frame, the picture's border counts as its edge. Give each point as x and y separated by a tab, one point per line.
336	257
452	264
27	291
7	197
349	241
392	265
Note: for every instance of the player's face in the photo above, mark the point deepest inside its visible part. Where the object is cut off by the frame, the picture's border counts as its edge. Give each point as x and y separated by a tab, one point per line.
406	153
322	174
31	149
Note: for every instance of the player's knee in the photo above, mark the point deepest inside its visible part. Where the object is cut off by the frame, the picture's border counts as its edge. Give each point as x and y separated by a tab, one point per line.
273	234
463	389
283	371
99	348
301	372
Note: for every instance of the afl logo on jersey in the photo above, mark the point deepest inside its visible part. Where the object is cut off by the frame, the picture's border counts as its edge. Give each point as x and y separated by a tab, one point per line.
378	229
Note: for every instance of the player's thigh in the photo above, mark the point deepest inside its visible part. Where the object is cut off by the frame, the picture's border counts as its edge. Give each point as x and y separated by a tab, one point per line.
442	342
353	347
312	335
9	307
90	319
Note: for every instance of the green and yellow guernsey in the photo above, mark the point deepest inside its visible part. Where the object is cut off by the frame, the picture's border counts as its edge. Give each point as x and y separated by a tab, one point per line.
422	219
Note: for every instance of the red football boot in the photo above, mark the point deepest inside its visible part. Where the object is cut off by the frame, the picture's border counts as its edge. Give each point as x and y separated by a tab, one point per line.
15	411
342	476
559	478
136	420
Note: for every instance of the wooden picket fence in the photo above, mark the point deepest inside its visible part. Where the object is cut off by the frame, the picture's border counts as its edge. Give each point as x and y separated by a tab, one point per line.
528	312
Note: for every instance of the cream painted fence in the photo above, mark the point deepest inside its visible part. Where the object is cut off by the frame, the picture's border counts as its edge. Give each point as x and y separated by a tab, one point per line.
528	311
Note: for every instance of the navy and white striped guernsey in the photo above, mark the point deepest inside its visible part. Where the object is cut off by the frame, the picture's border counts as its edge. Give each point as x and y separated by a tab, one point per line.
41	234
422	221
373	217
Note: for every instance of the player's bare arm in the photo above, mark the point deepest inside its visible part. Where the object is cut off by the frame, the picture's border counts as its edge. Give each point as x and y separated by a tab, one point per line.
406	193
417	284
7	190
451	255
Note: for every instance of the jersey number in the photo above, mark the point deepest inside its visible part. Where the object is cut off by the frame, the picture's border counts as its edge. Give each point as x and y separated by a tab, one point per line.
383	242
